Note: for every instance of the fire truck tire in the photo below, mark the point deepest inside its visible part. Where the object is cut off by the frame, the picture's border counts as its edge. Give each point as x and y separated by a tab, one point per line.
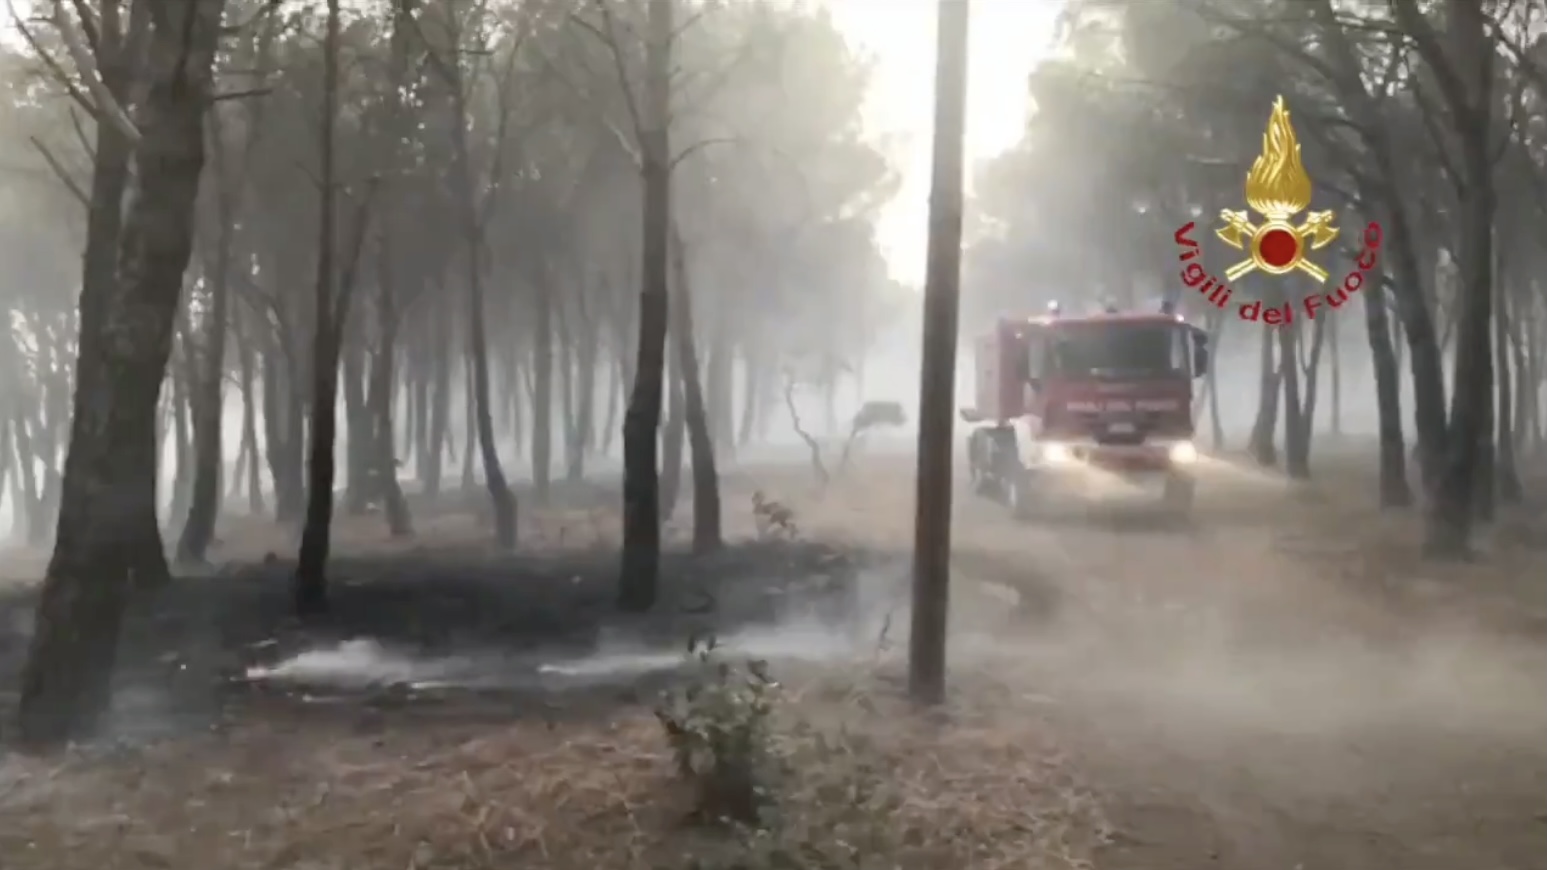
1179	492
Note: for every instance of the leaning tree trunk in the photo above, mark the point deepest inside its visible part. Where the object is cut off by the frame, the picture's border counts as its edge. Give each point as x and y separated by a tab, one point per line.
501	499
110	471
208	407
706	478
641	561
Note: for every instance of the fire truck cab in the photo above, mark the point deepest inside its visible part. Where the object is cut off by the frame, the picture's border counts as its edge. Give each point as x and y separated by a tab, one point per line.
1063	398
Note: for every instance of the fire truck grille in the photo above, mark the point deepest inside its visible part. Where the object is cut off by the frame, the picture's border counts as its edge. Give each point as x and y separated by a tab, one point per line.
1121	438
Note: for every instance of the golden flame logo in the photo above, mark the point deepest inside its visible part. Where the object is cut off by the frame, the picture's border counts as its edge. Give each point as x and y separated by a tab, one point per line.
1278	188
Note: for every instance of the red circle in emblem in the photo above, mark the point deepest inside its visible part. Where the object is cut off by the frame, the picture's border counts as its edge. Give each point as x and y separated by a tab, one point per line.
1278	248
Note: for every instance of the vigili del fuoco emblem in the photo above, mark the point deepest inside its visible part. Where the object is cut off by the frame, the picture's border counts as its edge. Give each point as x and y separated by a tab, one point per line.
1277	188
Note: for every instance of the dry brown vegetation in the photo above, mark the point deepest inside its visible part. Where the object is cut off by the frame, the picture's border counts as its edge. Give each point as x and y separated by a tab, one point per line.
1306	714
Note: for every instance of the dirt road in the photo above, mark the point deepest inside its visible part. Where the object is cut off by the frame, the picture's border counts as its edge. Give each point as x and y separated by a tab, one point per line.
1272	686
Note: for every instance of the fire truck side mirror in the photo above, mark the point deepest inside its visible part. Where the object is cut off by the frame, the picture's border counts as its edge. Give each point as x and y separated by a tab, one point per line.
1200	352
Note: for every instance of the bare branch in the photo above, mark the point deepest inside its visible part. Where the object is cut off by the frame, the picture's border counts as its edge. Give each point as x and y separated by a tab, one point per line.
625	142
48	60
81	137
702	144
89	28
609	38
268	8
348	279
108	106
60	172
1412	21
242	94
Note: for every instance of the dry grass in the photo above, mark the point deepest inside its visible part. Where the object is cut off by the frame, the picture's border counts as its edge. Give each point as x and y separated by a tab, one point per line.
972	793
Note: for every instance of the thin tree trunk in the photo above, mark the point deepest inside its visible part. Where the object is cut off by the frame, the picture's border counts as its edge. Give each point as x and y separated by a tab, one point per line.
641	560
502	500
1394	490
379	402
204	505
1263	448
542	387
311	582
706	478
1508	488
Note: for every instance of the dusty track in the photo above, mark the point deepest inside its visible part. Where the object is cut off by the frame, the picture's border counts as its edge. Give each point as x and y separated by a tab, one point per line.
1275	685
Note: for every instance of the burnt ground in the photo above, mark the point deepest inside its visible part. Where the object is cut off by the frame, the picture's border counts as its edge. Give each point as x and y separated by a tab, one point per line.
485	623
1278	683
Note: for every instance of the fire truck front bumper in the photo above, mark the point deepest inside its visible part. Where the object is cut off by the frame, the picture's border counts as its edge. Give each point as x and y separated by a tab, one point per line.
1150	459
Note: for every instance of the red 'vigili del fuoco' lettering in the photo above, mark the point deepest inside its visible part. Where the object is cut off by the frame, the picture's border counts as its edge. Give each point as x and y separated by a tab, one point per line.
1213	290
1217	293
1364	266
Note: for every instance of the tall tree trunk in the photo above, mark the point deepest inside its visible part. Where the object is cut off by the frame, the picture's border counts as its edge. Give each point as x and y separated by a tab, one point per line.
672	438
182	378
209	406
753	380
1467	73
1508	488
1394	491
250	428
641	561
501	499
359	436
110	470
1262	445
379	401
29	507
542	386
1336	350
718	380
441	359
311	581
1296	449
706	478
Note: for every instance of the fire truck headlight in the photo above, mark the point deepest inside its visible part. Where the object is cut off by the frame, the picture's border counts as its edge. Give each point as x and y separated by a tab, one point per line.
1056	454
1183	453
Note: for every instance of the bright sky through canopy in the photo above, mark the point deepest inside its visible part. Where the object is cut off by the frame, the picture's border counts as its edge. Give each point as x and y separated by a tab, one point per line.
1008	38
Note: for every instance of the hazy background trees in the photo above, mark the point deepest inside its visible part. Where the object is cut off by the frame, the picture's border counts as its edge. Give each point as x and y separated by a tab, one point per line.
479	212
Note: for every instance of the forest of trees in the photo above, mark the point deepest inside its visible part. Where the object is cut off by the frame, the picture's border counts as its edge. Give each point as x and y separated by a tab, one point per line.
627	221
409	211
1428	117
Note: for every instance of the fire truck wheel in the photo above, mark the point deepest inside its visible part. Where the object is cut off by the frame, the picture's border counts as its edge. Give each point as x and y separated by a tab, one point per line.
1179	491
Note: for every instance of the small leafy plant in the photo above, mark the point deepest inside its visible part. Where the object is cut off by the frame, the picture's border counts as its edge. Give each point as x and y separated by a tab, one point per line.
774	519
720	733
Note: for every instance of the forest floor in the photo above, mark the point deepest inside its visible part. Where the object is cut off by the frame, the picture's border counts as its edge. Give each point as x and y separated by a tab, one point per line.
1277	684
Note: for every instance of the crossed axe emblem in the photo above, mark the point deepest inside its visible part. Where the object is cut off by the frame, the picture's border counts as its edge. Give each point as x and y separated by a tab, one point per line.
1239	233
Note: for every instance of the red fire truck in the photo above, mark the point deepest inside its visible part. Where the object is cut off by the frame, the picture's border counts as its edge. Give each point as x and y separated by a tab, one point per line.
1063	398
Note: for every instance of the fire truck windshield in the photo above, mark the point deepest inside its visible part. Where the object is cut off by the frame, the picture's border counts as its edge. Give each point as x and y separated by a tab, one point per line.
1112	350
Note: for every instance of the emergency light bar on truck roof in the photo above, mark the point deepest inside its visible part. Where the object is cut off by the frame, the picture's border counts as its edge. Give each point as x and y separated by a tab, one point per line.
1167	307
